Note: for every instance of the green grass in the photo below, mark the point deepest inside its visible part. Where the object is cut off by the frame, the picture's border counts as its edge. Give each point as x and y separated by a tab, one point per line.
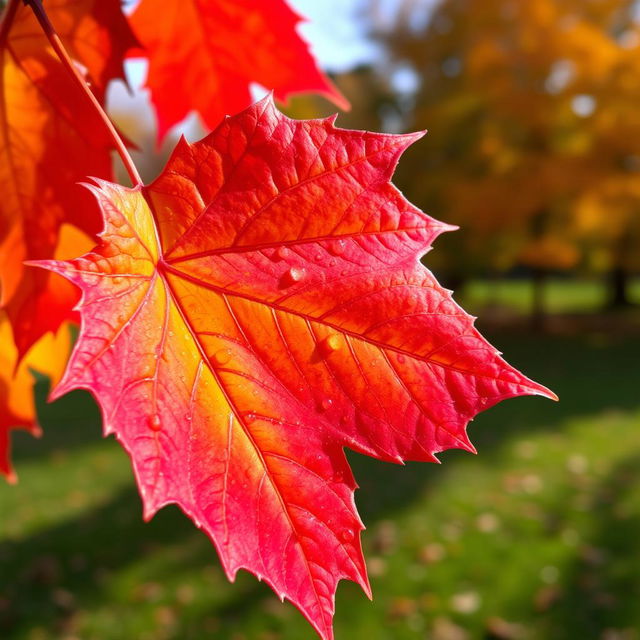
561	295
536	537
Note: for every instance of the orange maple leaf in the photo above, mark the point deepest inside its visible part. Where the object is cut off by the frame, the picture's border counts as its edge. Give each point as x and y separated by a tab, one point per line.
50	138
47	356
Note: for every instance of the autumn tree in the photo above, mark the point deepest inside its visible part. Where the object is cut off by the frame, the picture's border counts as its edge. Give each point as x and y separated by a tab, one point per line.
606	213
529	107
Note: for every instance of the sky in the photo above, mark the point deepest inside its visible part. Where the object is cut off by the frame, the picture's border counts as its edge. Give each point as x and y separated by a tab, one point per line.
335	32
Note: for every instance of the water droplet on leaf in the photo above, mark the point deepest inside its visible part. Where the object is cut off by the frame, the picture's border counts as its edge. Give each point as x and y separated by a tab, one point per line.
155	422
337	247
281	253
293	275
347	535
331	343
222	356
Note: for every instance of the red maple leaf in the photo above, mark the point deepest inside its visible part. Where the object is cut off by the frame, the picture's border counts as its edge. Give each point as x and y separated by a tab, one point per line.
258	308
50	138
204	54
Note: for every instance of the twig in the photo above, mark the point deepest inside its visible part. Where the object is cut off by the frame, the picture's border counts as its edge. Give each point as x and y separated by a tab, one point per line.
61	52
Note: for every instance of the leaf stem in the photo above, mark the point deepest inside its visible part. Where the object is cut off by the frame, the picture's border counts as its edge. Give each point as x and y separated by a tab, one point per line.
65	59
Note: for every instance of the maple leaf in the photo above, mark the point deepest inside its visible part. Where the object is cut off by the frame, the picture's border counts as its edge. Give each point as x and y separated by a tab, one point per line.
48	355
204	55
256	309
17	408
50	138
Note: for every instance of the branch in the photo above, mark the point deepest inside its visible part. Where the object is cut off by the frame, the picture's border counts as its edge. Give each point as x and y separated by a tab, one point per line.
61	52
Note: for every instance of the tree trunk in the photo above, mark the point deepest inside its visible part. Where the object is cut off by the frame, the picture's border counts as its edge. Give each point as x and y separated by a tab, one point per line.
538	308
618	284
618	277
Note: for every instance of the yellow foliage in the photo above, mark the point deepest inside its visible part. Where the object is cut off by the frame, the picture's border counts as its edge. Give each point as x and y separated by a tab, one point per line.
534	125
17	407
550	252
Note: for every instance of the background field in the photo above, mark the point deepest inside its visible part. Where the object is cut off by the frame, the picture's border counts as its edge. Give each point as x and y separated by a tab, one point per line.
536	537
